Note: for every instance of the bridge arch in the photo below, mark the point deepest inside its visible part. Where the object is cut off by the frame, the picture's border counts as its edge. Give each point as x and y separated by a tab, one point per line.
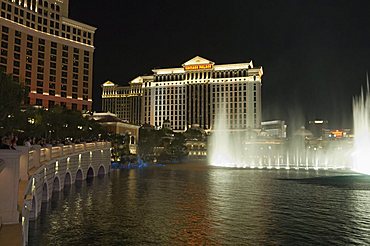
33	212
67	179
90	173
55	168
45	193
56	184
101	171
79	175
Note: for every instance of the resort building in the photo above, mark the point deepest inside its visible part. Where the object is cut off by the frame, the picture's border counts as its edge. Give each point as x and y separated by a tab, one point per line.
196	143
124	101
50	54
274	129
318	127
115	125
194	93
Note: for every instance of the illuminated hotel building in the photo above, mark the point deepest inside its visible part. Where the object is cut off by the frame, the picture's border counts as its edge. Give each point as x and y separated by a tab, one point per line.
50	54
196	92
124	101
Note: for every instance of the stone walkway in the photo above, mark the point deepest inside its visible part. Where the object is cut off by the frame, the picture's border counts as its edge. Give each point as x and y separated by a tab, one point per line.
11	235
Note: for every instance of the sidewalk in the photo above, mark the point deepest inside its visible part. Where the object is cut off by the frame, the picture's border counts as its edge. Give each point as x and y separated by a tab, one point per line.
11	235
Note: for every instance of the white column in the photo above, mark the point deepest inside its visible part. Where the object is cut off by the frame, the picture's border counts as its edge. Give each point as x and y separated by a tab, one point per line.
23	167
9	182
36	155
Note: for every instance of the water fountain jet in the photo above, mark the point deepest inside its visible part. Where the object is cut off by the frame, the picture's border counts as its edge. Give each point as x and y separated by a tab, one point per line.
228	148
361	123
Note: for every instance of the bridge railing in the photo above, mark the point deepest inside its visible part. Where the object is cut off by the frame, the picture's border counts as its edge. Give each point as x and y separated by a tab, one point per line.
68	149
31	162
56	152
79	147
38	156
44	155
90	146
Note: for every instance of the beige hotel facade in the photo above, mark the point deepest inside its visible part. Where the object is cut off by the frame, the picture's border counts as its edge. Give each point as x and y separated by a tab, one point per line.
194	93
50	54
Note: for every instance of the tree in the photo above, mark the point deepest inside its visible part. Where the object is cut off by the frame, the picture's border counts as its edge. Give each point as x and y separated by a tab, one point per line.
194	134
56	123
147	141
121	146
176	150
11	94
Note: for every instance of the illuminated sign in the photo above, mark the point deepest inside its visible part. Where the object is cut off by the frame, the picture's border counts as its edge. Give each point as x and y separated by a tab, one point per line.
337	134
198	67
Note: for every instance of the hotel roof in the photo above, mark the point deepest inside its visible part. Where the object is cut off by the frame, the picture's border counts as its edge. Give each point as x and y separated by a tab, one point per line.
198	60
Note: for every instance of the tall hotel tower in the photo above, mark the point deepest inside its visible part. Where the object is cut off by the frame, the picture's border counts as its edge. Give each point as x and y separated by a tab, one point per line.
124	101
50	54
194	94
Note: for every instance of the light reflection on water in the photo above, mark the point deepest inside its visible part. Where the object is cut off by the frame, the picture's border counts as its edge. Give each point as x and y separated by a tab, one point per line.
198	204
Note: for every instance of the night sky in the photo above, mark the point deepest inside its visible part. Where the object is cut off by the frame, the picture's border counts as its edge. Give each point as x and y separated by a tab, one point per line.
315	53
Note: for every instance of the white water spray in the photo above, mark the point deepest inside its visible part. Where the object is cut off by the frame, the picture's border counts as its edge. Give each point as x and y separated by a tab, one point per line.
361	123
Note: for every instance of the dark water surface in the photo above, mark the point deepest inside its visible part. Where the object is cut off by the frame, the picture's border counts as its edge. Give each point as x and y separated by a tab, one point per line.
196	204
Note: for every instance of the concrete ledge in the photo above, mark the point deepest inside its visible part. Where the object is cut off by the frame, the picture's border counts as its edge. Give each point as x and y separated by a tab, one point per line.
24	173
11	235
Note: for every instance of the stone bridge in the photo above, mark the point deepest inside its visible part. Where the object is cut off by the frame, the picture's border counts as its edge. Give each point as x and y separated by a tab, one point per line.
30	177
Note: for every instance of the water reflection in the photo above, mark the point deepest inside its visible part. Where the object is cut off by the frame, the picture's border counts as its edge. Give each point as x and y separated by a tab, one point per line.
192	208
201	205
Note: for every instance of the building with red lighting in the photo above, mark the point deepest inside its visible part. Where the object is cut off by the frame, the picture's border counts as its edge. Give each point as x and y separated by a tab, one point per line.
50	54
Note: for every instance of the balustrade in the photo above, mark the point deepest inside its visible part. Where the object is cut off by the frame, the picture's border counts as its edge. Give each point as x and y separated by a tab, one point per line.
24	171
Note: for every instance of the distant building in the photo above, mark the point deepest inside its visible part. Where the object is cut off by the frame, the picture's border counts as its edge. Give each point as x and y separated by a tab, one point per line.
318	127
192	94
196	143
335	134
167	125
197	149
274	128
303	133
117	126
48	53
124	101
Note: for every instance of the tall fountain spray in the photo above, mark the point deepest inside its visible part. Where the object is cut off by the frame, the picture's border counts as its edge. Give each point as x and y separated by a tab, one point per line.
246	149
361	123
230	148
221	151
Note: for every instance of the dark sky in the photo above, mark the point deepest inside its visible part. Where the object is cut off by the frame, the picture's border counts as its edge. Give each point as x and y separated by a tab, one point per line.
315	53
